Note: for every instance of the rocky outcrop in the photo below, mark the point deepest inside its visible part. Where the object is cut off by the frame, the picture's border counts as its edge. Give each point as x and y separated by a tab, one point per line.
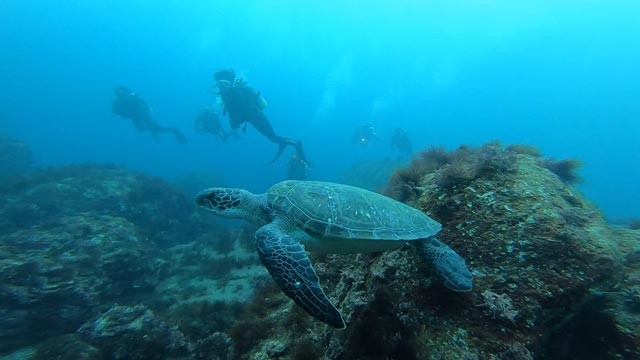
56	275
545	262
159	210
100	263
135	332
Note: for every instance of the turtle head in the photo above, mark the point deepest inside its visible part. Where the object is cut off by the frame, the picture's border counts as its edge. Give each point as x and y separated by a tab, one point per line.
232	203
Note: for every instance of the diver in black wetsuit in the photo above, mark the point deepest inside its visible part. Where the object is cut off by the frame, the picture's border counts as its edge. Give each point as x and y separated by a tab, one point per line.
208	122
130	105
364	134
244	105
297	169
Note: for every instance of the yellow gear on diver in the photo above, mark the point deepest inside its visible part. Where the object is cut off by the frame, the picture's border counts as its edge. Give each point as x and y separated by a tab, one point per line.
262	103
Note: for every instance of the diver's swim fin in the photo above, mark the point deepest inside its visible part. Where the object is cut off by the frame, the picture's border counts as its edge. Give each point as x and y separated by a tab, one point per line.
300	153
281	147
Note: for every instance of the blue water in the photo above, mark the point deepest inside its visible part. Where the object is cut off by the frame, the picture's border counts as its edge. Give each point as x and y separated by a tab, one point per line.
562	76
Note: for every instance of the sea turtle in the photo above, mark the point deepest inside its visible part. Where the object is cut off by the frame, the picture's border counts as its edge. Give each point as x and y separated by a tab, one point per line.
330	218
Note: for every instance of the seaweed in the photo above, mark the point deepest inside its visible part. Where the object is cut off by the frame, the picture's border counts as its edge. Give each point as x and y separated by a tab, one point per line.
404	182
566	169
306	349
198	319
453	169
253	324
248	332
377	332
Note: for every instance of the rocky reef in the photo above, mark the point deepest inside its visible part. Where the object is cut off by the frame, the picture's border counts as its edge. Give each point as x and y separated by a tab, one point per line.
97	262
56	275
159	210
552	279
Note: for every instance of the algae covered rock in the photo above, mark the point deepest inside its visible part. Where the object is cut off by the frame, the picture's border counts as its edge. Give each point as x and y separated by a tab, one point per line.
68	346
135	332
618	305
56	275
206	285
541	253
79	240
158	209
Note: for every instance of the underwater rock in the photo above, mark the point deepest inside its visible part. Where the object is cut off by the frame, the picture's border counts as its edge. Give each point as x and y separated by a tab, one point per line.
204	290
54	276
217	346
610	315
158	209
135	333
76	240
537	247
68	346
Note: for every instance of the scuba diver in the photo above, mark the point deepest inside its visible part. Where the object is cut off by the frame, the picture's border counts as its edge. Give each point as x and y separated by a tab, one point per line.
208	122
364	134
297	169
401	142
244	105
130	105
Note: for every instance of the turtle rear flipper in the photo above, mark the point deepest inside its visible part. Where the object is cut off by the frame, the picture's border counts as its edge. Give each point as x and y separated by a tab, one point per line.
291	269
450	267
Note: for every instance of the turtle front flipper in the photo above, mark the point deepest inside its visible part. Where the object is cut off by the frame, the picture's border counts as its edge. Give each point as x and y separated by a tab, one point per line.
291	269
450	267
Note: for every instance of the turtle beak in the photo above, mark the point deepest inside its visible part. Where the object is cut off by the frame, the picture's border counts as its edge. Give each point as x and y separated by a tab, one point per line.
202	199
